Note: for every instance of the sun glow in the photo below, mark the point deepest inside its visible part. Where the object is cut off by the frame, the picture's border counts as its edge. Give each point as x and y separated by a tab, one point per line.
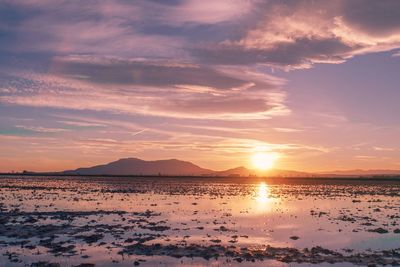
263	193
263	161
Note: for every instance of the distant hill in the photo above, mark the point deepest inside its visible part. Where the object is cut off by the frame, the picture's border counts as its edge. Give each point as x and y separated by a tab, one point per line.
135	166
239	171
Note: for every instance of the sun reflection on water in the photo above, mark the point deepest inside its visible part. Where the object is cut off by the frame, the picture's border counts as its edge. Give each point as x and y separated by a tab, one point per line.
263	193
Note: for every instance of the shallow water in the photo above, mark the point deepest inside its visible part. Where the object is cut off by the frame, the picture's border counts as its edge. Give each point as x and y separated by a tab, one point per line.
198	221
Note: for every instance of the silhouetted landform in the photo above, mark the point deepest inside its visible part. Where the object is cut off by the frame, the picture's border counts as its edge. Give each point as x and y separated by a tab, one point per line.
129	166
135	166
175	167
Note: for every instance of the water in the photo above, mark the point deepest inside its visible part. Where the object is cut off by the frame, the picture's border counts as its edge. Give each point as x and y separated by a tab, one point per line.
118	220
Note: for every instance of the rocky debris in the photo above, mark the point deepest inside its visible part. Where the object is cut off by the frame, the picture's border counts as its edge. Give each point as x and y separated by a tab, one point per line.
12	257
346	218
141	238
157	228
147	214
59	249
222	229
90	239
45	264
85	265
379	230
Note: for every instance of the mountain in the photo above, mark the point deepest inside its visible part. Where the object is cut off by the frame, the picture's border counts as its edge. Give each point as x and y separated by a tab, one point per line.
239	171
135	166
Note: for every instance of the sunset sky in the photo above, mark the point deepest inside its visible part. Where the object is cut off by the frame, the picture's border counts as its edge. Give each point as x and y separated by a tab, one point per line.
212	82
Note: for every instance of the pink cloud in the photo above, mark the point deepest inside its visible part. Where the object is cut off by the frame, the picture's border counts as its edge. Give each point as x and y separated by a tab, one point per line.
151	88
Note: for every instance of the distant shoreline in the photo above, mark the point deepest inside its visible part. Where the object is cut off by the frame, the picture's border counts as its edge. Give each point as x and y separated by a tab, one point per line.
358	177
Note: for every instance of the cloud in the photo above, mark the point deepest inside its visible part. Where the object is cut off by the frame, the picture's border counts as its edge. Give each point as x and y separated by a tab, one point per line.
105	27
289	34
81	123
40	129
298	34
287	130
193	11
375	18
154	88
180	58
118	71
377	148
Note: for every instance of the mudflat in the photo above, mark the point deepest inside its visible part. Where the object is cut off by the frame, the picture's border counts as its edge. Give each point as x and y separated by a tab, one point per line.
194	221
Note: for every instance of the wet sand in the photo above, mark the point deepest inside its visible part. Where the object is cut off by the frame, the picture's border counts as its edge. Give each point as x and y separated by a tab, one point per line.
166	221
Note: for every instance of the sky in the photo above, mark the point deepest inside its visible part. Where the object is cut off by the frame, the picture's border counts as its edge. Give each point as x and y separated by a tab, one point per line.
88	82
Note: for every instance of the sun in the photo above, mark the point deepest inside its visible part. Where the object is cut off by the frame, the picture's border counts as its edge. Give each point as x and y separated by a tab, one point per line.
263	160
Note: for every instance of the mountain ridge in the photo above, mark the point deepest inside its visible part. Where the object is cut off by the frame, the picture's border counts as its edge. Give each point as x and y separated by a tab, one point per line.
136	166
176	167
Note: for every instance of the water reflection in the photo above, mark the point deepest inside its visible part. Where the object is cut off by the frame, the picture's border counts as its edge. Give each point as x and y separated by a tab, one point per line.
263	194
